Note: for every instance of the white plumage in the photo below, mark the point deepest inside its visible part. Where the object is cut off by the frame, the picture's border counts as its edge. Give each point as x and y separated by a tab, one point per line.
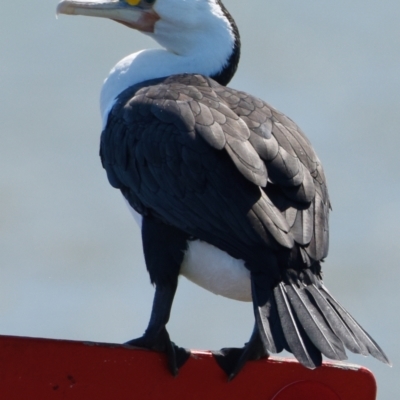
212	269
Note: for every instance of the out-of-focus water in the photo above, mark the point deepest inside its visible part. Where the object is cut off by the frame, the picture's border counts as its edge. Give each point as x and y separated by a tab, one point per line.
70	254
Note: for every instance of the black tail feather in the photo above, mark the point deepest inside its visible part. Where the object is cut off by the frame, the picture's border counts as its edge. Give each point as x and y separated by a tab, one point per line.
336	323
362	336
299	343
300	316
314	324
267	319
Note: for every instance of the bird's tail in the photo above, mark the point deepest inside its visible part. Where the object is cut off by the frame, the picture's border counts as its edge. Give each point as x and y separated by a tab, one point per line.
302	317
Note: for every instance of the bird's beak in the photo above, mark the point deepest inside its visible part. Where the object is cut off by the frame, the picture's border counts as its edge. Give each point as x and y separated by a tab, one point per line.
133	16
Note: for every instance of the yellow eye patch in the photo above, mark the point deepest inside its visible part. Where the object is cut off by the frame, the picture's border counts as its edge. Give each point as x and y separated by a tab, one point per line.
133	2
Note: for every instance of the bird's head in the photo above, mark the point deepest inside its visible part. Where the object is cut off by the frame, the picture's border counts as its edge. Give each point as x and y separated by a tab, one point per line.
177	25
199	36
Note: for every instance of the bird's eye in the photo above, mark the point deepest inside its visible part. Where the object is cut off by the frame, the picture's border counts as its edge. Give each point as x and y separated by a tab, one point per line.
137	2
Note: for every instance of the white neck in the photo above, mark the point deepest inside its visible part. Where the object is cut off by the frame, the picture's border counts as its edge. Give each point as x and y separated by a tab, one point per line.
150	64
194	42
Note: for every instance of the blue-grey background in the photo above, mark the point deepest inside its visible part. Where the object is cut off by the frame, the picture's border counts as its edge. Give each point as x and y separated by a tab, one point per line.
70	253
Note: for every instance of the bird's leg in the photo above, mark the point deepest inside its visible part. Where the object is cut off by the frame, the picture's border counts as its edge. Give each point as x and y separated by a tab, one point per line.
156	336
163	247
232	360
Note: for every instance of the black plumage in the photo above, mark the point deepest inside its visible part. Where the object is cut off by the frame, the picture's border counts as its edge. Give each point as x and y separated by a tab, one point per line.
224	167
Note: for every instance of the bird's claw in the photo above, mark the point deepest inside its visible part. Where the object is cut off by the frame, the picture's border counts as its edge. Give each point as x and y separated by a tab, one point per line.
232	359
176	356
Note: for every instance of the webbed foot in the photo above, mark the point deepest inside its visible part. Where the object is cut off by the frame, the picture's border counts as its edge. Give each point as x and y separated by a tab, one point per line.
232	360
176	356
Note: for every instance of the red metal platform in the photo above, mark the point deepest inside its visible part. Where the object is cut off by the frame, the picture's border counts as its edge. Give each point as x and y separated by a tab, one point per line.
59	369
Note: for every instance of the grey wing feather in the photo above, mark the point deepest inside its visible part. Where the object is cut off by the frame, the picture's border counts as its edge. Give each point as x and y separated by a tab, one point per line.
266	147
292	165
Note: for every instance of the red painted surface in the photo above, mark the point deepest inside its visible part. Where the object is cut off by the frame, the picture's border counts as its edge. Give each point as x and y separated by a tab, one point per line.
58	369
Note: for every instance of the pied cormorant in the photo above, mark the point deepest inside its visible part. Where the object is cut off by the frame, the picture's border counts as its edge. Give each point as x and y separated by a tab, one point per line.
228	191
